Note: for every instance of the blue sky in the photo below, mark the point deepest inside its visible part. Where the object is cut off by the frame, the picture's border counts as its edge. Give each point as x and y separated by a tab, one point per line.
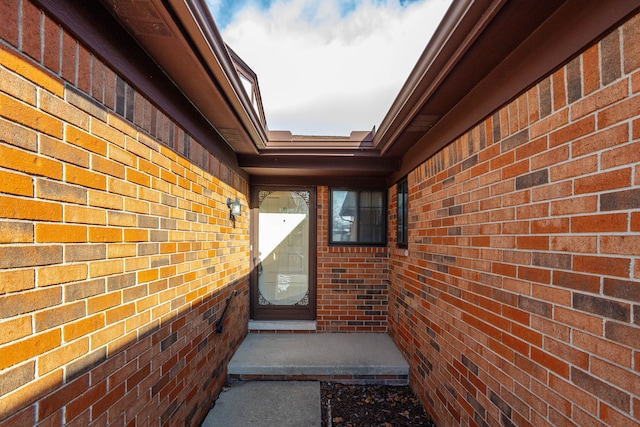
327	67
225	10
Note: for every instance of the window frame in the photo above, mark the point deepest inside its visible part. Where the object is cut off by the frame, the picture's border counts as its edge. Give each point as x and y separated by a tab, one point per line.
385	213
402	213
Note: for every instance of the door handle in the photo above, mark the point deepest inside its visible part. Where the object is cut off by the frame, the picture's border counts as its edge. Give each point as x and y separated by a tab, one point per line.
258	265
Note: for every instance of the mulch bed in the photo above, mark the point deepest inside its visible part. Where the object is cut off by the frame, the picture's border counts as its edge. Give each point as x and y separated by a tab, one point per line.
371	405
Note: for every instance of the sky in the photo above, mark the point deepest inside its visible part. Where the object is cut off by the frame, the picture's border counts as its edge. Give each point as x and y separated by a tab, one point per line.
328	67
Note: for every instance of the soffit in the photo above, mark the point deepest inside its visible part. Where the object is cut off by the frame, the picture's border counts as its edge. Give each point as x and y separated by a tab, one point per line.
485	54
484	34
181	37
298	156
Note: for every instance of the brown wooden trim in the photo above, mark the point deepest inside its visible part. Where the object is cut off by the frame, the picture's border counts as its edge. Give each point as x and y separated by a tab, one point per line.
360	181
327	162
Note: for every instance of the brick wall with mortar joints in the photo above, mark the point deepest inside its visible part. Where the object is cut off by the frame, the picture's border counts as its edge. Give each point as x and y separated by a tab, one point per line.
116	251
519	300
352	282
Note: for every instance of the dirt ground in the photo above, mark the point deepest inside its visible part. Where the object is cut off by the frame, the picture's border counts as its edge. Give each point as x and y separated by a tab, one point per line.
371	405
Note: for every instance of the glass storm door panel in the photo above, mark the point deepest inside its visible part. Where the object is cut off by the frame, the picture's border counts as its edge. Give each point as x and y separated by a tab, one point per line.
284	273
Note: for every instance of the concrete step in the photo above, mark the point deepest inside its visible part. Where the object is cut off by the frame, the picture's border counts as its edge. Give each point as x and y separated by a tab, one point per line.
367	358
282	326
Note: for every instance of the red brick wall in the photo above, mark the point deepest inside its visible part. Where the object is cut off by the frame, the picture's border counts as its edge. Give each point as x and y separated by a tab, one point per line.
352	281
519	300
116	251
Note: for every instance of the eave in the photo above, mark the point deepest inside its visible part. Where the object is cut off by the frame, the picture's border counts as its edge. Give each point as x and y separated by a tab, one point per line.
107	38
183	39
484	54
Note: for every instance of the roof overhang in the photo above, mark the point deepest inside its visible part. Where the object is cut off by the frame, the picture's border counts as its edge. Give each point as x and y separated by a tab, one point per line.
183	39
483	54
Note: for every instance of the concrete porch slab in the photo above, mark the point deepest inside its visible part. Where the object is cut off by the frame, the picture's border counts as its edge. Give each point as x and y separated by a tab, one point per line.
342	357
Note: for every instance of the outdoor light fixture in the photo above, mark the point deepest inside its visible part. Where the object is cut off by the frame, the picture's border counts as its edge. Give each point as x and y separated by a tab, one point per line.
235	208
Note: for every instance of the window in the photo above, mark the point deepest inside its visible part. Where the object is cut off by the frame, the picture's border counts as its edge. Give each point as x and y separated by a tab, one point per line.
357	217
403	213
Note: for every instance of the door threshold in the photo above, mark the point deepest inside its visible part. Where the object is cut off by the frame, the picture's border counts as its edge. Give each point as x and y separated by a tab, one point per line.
282	325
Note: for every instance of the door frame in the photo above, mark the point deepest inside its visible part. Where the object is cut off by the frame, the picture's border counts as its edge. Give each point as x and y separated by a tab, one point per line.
283	312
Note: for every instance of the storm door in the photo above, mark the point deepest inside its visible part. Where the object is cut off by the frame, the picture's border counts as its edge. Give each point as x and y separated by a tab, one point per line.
284	245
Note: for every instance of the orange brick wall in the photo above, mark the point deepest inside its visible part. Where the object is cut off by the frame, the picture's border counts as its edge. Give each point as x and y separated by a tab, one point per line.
518	302
352	281
116	250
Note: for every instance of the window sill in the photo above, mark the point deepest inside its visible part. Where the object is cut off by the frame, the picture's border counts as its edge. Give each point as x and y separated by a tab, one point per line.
357	249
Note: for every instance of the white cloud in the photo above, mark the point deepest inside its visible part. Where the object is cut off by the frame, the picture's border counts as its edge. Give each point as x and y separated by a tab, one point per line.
325	72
